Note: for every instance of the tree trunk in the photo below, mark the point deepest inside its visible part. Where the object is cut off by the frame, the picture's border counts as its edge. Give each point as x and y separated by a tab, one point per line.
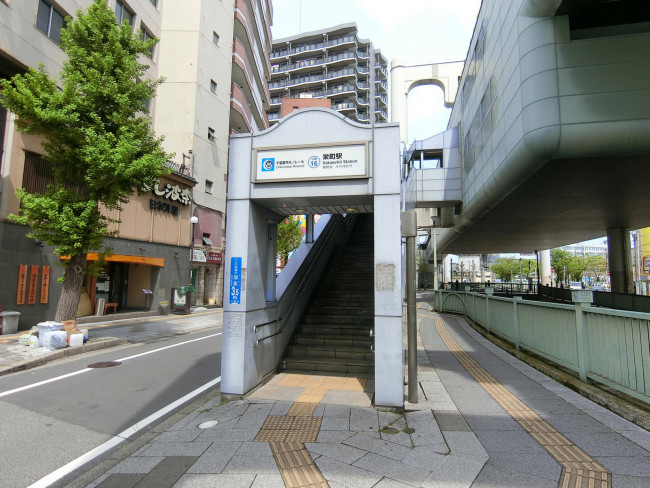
74	274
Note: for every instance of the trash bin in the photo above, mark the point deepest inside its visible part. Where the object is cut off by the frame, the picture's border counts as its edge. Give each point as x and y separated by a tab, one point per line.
99	306
10	322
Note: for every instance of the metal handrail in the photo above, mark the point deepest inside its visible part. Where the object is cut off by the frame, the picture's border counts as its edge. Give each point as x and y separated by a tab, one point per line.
295	297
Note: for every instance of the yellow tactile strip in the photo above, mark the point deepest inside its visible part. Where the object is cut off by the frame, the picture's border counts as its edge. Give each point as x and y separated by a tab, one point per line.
578	468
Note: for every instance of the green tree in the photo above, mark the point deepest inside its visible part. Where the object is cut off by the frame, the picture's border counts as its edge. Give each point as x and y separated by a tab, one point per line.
100	150
506	268
575	265
289	237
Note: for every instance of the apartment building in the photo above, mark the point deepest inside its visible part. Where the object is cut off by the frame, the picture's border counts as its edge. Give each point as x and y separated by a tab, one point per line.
335	64
214	58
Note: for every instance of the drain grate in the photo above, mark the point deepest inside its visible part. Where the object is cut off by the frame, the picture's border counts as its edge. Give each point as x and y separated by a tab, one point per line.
104	364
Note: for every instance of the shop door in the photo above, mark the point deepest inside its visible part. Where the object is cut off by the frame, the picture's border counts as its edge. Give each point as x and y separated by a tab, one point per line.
120	275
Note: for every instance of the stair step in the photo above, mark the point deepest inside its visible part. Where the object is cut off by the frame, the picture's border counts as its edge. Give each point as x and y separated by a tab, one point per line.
343	302
332	365
341	321
297	351
343	340
345	295
334	330
341	311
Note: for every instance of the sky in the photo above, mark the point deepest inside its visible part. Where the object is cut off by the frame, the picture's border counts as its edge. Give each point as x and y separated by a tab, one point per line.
421	31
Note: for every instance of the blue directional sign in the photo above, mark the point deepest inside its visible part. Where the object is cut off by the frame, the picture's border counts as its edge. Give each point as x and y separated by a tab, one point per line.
235	280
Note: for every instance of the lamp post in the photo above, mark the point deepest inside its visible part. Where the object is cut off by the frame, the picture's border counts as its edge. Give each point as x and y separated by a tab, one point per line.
193	220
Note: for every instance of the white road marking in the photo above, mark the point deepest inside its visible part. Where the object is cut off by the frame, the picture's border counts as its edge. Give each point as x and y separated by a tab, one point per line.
119	438
85	370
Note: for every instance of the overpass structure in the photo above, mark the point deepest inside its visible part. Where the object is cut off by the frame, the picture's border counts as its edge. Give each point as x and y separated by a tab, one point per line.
548	142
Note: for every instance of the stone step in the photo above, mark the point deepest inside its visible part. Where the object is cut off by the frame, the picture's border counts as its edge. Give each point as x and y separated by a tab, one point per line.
297	351
324	329
337	320
359	311
339	340
368	302
344	295
361	366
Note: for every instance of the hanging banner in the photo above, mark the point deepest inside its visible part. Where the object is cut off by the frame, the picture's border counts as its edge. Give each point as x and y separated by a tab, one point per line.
311	163
22	284
45	284
33	282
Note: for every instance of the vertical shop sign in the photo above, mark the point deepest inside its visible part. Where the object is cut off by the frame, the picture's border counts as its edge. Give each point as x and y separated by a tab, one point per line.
33	282
22	282
45	284
235	280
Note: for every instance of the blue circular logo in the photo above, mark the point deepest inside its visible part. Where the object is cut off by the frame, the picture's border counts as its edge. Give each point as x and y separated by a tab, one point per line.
313	162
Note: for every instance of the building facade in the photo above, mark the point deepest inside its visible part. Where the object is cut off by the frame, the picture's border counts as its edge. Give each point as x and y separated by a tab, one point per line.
335	64
214	58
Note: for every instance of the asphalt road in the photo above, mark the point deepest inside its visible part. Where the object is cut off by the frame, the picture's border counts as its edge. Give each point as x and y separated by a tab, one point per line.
54	414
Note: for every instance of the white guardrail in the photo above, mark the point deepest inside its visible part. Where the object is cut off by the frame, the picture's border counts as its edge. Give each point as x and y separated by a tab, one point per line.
601	344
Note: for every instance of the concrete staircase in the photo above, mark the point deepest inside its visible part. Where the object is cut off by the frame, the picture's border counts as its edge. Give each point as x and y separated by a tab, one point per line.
334	332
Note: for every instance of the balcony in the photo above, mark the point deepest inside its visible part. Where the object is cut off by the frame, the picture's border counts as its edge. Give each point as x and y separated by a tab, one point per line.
382	84
363	69
340	90
241	116
382	112
341	73
363	85
382	70
383	99
242	75
273	116
344	106
363	54
363	117
363	101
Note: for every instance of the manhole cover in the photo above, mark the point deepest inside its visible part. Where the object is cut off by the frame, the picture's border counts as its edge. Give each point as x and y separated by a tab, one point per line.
104	364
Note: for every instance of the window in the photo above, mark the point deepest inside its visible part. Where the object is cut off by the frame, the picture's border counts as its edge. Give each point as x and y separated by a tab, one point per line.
211	136
213	86
206	239
145	35
208	186
215	38
122	13
155	3
50	21
147	105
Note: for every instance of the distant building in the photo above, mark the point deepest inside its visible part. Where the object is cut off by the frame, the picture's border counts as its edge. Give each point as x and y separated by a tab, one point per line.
334	64
291	104
586	249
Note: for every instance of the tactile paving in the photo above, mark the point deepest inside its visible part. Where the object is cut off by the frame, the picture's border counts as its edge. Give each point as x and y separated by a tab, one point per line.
578	468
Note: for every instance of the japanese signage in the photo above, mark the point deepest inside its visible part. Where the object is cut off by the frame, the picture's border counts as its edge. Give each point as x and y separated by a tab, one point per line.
235	280
173	192
22	284
33	282
646	264
311	163
163	206
45	284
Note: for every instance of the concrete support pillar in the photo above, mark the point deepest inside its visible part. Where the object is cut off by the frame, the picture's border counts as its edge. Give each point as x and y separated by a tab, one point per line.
218	298
446	264
389	354
545	267
199	292
309	228
619	252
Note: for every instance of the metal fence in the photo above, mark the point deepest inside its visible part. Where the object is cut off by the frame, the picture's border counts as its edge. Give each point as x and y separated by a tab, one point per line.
604	345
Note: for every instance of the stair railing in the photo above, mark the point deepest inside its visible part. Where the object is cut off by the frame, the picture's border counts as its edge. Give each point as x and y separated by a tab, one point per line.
341	225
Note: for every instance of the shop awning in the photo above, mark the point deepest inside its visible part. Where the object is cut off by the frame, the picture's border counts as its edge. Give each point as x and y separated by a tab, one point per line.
126	258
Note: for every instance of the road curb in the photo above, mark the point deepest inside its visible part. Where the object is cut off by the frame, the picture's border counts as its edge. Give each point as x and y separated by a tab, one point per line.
63	353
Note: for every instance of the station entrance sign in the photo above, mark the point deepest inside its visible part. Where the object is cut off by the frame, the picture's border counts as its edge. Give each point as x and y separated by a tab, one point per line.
318	162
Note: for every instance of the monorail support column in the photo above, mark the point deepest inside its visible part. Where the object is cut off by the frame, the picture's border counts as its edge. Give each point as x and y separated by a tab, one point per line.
619	253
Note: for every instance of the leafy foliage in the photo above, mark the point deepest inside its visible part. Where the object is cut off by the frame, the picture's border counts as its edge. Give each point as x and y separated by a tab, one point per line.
100	149
509	268
289	237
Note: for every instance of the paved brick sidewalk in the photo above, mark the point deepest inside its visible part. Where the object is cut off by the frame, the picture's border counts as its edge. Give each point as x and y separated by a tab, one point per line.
321	430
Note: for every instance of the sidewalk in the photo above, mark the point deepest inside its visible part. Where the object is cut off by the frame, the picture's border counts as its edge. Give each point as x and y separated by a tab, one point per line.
484	418
15	357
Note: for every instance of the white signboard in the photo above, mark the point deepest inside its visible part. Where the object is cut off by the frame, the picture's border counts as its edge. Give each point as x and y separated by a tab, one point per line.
311	163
